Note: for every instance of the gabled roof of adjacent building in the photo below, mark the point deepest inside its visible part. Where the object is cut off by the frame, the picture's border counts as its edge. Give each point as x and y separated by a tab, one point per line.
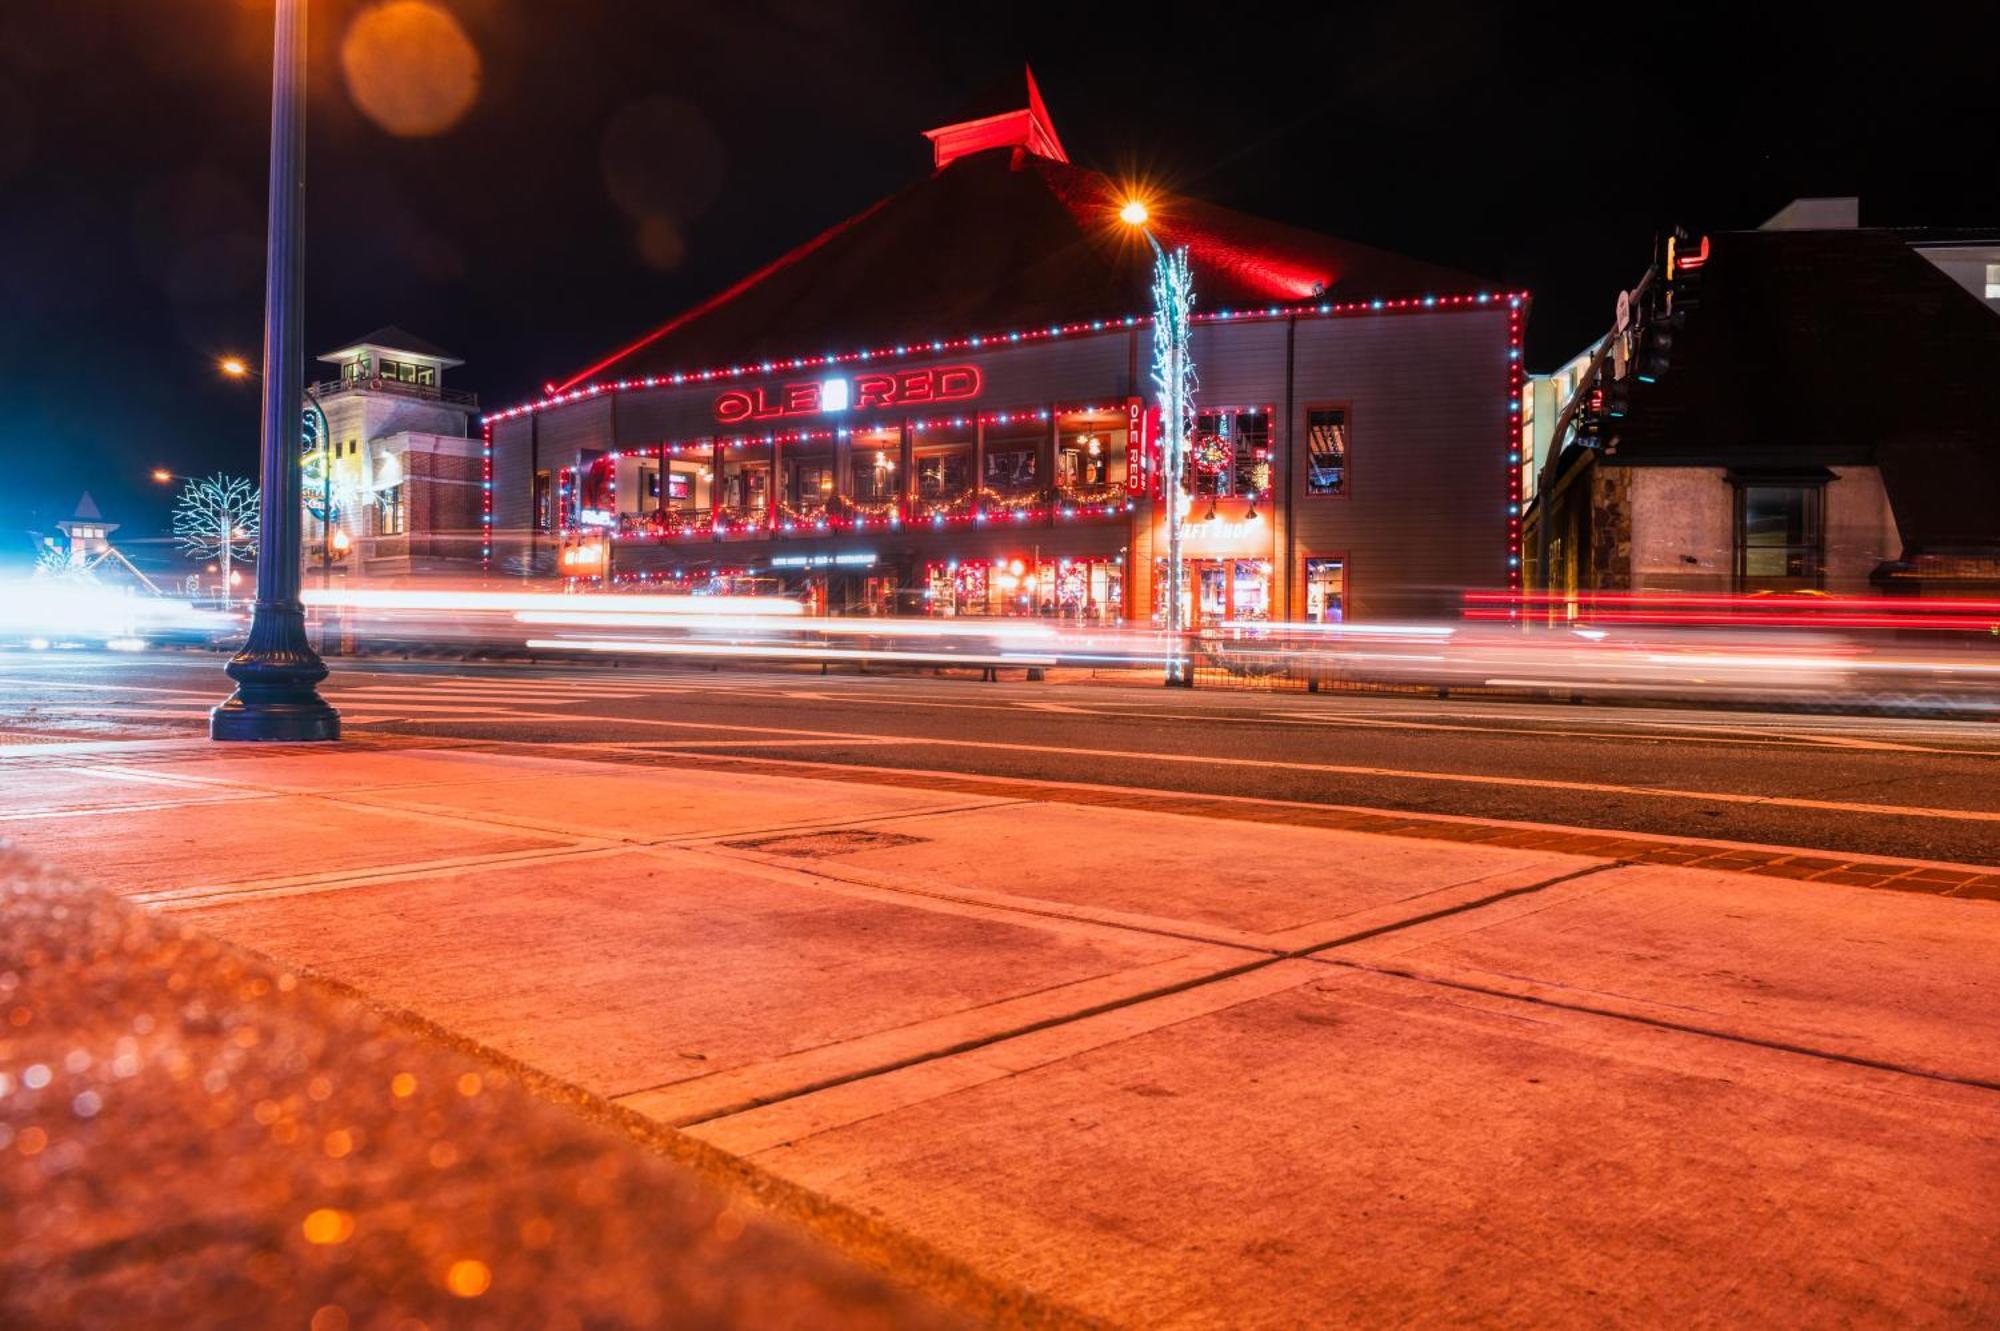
391	338
1006	233
1822	348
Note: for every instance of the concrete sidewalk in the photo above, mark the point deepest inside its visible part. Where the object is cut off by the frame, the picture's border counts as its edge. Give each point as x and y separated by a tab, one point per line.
1203	1063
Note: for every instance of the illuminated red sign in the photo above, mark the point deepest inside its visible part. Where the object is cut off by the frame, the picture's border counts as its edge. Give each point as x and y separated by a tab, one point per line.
884	388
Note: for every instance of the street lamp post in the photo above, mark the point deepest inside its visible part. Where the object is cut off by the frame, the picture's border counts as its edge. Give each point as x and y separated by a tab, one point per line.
1173	373
277	670
318	432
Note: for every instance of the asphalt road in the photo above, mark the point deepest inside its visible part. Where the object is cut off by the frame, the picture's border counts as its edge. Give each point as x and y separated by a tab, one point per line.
1909	788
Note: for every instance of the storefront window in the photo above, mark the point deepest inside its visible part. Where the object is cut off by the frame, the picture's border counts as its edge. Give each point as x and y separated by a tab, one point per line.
809	485
1231	453
1778	536
1090	457
686	487
1218	591
1326	591
1326	450
943	460
1011	478
873	482
746	481
1081	591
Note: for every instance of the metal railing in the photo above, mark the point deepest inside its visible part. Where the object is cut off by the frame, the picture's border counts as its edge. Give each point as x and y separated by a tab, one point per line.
457	397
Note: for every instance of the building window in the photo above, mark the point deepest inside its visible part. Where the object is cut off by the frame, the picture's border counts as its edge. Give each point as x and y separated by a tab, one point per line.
1230	453
872	479
810	485
545	494
394	517
1326	450
1993	281
1326	591
943	461
1013	451
1091	457
1779	536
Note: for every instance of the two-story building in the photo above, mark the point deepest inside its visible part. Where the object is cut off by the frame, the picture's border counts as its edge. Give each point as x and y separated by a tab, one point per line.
945	405
405	473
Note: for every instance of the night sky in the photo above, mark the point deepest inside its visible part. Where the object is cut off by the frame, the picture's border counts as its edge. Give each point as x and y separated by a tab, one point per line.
623	158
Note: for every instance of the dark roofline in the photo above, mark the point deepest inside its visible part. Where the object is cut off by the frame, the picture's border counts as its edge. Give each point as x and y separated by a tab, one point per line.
390	337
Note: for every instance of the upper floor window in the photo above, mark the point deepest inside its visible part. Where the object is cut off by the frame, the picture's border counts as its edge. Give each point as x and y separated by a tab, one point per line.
1993	281
1326	450
1231	453
405	372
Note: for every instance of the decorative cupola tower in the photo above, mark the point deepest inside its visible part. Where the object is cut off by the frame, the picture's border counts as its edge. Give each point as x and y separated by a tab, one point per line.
89	534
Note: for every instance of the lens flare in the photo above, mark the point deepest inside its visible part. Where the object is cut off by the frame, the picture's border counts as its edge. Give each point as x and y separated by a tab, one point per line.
410	67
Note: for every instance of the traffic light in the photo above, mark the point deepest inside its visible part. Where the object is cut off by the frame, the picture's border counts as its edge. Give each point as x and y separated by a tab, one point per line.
1656	342
1617	400
1687	259
1590	418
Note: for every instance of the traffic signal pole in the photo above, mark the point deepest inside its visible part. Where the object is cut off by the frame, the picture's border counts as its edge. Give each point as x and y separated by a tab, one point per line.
1545	484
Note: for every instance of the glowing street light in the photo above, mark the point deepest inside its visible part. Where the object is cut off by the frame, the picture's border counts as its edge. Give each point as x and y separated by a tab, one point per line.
234	367
161	476
1173	374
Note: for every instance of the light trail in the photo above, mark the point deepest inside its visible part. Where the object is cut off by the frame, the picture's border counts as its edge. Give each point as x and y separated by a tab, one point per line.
780	651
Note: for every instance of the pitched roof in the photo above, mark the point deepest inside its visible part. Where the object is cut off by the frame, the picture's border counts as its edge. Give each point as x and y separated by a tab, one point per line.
1831	348
1004	237
391	338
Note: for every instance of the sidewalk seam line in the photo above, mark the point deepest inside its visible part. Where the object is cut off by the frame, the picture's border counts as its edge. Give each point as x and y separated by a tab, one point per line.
1665	1024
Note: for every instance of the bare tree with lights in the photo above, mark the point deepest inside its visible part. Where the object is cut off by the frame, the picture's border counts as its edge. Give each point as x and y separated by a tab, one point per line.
56	560
216	518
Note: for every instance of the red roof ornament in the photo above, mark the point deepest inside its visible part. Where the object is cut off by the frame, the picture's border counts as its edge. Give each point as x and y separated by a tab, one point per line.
1029	128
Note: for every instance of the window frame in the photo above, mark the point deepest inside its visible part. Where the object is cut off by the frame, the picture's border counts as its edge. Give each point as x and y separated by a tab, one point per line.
1307	558
1346	490
1814	488
393	518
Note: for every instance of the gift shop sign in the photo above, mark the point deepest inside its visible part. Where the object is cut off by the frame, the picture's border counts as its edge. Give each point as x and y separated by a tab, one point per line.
877	389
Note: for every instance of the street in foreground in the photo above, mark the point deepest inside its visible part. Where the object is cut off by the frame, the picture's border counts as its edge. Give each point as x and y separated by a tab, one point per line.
1298	1010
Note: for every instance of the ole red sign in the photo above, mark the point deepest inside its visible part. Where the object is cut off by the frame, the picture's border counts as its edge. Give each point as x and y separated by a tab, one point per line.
884	388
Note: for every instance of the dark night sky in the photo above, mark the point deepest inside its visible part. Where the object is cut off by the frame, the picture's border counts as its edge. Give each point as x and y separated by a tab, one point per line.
1541	146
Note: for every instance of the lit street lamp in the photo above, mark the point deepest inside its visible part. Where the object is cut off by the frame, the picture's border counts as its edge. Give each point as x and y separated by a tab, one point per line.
1173	373
277	671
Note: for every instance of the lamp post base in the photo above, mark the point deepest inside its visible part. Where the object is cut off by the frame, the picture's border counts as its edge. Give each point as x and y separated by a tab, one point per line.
275	674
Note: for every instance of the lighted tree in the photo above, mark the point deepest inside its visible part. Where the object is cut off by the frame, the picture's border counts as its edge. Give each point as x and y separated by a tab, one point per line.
56	560
216	518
